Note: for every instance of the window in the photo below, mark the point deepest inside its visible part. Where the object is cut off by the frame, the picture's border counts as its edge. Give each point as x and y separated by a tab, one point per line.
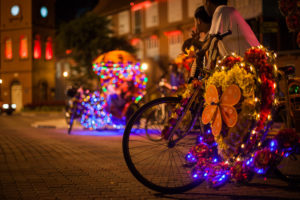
138	44
44	11
123	27
8	49
152	47
174	10
192	6
49	50
23	48
175	40
110	25
37	52
15	10
248	9
152	15
137	26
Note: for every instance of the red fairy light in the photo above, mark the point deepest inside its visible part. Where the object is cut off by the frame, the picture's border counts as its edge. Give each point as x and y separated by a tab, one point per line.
68	51
171	33
135	41
140	6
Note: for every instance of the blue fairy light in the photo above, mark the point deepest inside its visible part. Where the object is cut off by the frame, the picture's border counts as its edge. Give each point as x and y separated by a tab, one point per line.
286	154
200	139
260	171
273	145
190	158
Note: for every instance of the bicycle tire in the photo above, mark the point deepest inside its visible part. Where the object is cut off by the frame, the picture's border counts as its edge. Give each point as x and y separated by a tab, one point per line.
182	181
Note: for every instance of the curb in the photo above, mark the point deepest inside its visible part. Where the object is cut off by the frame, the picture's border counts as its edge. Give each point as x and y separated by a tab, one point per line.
44	126
33	114
54	124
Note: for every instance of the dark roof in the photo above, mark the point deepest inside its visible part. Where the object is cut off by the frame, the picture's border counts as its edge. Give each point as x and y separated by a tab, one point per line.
108	7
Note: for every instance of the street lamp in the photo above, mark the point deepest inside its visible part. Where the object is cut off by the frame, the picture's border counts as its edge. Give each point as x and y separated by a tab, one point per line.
65	74
144	66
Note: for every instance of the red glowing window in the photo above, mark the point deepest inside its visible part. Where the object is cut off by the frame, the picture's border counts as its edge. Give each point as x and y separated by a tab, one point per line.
135	7
37	52
8	49
49	49
174	37
23	50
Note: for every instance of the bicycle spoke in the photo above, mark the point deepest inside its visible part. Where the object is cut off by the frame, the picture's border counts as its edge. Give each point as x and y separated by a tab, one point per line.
152	160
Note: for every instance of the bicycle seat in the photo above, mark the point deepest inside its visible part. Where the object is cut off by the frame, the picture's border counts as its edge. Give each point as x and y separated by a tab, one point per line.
288	69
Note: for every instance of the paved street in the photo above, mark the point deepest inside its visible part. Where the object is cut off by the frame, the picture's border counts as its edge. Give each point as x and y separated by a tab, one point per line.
47	163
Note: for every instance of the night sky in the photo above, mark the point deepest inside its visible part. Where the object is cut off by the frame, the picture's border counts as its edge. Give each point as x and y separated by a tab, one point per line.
67	10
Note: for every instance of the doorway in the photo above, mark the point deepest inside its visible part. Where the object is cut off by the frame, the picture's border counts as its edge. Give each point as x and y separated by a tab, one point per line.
17	95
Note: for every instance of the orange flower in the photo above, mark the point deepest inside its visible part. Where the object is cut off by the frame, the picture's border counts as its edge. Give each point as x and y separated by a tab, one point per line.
216	109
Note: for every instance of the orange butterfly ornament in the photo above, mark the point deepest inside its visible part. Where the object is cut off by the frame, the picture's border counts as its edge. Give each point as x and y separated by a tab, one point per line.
216	109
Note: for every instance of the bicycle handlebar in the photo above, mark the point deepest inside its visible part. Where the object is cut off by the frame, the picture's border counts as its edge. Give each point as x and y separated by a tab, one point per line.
220	36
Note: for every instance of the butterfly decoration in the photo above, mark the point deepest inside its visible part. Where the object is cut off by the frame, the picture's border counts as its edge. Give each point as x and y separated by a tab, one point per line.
217	109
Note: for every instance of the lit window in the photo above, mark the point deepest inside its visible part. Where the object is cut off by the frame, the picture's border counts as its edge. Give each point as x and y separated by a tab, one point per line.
152	15
123	18
138	44
174	10
152	47
137	21
49	50
175	39
37	47
8	49
23	49
44	11
15	10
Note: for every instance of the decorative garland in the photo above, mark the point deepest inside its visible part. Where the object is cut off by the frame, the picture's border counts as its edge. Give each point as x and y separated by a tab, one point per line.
177	112
238	152
93	116
231	138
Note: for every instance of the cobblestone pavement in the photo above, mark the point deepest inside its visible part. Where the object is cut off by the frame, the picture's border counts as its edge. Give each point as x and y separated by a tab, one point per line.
38	163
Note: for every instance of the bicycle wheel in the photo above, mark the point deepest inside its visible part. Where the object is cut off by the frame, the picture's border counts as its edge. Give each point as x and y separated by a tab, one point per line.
155	163
155	122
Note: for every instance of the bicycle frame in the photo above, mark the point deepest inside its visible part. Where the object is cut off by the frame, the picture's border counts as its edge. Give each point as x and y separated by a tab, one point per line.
287	104
171	142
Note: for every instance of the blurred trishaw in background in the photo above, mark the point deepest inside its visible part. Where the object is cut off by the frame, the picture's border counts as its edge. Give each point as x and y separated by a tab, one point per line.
122	84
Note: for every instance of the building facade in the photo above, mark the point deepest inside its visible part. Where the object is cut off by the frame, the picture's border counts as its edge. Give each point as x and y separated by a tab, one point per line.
27	63
157	28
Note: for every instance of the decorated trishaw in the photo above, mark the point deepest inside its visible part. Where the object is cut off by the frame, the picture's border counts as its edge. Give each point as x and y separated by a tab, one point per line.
219	130
122	83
